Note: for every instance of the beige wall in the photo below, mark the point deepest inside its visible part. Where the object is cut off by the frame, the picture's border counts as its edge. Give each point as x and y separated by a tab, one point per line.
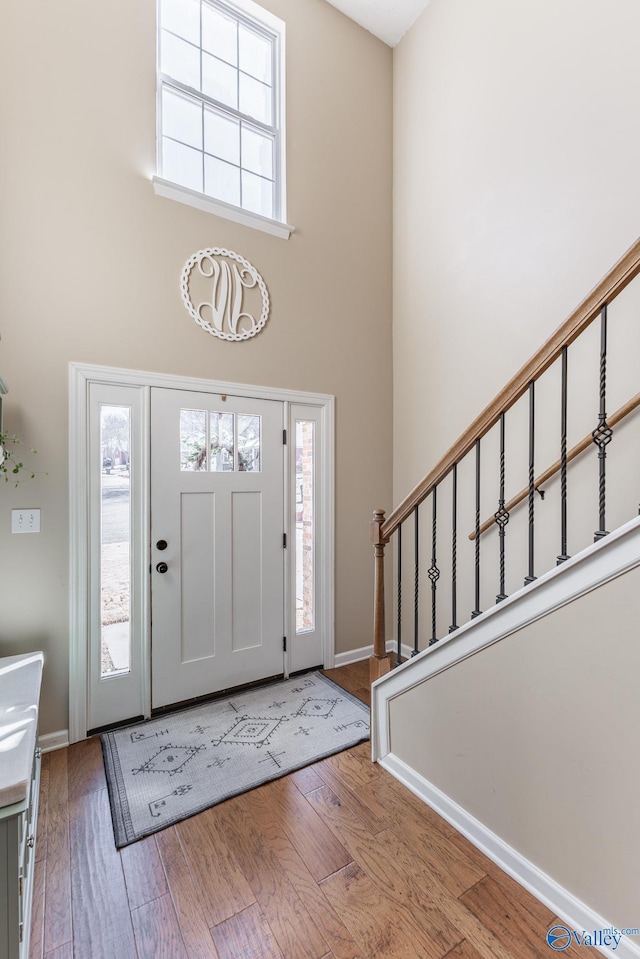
90	262
536	736
516	155
515	189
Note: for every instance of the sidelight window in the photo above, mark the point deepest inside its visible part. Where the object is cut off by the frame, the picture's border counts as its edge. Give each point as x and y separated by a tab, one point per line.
305	525
115	536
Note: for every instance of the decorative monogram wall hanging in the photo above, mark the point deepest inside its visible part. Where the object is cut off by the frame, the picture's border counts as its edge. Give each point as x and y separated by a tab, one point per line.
226	288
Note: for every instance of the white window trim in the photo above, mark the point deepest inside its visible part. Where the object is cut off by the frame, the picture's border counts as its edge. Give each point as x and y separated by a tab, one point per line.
201	201
209	204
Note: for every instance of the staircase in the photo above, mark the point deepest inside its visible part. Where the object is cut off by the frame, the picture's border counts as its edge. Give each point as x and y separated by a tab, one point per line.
510	703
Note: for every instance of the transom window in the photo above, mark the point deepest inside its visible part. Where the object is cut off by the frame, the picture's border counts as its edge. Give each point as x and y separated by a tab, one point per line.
220	103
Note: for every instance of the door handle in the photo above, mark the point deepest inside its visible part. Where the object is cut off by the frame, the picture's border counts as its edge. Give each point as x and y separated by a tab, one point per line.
162	567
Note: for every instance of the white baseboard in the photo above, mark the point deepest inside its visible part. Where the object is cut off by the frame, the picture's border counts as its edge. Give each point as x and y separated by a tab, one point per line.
357	655
392	647
559	900
352	656
52	741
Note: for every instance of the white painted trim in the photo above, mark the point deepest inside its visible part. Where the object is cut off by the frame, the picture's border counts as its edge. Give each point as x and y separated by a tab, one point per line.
51	741
289	604
609	557
208	204
78	555
365	652
107	374
328	548
144	570
352	656
558	899
260	14
80	375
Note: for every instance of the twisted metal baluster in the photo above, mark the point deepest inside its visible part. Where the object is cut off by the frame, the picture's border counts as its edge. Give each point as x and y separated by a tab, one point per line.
529	578
563	463
399	653
433	572
416	587
477	610
603	433
454	549
502	515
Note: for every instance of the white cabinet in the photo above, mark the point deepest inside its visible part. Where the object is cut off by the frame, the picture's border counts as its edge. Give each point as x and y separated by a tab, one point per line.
20	678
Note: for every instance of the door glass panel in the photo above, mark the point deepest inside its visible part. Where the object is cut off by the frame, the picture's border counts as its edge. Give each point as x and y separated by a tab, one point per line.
222	446
248	443
305	531
115	540
223	441
193	442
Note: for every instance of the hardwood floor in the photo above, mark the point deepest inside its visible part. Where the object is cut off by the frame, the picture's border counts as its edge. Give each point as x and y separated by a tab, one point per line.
335	861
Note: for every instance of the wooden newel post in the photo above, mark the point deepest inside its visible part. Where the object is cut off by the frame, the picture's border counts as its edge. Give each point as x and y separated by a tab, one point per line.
380	663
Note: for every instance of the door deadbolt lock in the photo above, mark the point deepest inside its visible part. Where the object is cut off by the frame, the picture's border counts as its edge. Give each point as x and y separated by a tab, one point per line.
161	544
162	567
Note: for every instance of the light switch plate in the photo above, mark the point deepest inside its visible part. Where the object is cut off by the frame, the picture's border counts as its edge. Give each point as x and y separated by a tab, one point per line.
25	520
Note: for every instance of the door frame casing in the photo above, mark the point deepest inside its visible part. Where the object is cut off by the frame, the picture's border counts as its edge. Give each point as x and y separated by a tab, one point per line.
81	375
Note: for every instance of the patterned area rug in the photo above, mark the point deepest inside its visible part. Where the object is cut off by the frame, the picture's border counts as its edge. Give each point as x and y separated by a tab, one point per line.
163	770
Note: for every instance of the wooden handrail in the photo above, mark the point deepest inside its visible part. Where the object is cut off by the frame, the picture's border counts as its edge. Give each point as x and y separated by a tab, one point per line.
580	447
627	267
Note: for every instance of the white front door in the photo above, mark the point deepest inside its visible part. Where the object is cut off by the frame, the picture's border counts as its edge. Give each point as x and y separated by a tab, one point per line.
217	550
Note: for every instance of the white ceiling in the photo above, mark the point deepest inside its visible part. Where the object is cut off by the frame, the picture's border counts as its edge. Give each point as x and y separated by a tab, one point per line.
387	19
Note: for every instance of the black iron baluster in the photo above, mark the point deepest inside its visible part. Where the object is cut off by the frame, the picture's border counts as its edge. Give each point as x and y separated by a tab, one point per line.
434	572
502	515
399	654
477	610
415	650
529	578
454	548
603	433
563	463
